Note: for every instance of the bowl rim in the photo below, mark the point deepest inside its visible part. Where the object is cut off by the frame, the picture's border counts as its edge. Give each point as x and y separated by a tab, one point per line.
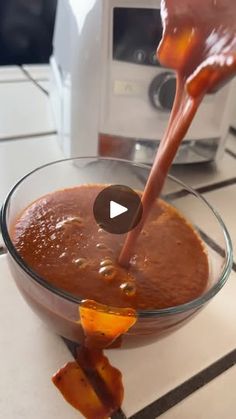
189	306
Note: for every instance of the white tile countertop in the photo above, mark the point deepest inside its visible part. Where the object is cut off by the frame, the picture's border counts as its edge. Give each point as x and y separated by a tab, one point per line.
191	373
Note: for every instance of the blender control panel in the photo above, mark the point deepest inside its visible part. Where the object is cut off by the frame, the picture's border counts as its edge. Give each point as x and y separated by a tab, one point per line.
139	91
136	34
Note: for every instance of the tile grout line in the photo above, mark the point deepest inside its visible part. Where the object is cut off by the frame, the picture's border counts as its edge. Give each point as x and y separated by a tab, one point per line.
184	390
218	185
30	78
211	243
202	189
231	153
2	251
27	136
206	189
26	80
72	346
233	131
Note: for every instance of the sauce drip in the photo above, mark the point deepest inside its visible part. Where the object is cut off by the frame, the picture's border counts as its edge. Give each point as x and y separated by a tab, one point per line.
91	384
199	42
103	325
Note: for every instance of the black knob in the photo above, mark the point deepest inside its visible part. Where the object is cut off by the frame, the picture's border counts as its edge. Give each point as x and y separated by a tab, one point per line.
162	91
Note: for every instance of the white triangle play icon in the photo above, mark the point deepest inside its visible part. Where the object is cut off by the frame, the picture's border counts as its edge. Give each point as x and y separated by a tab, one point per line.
116	209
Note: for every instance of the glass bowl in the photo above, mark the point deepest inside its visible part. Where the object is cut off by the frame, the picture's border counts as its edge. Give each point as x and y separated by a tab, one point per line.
60	310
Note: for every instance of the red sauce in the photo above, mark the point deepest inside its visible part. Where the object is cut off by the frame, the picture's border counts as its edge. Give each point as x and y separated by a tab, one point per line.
59	239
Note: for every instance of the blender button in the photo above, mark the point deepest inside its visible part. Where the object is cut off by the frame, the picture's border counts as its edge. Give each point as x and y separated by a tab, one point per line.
153	58
140	56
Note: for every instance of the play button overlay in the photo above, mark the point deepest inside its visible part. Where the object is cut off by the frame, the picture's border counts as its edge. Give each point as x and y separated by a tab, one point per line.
118	209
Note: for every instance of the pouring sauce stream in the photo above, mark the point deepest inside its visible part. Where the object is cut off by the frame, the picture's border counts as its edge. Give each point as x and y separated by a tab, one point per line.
199	43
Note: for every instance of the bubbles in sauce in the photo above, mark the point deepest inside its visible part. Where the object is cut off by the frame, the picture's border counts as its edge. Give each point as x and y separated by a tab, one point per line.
106	262
108	272
101	246
70	222
128	288
62	255
80	262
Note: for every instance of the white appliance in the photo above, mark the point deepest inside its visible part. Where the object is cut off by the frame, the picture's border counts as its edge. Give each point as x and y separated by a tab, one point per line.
109	94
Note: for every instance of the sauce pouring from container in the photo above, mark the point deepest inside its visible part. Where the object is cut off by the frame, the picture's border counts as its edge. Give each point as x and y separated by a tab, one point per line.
199	43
